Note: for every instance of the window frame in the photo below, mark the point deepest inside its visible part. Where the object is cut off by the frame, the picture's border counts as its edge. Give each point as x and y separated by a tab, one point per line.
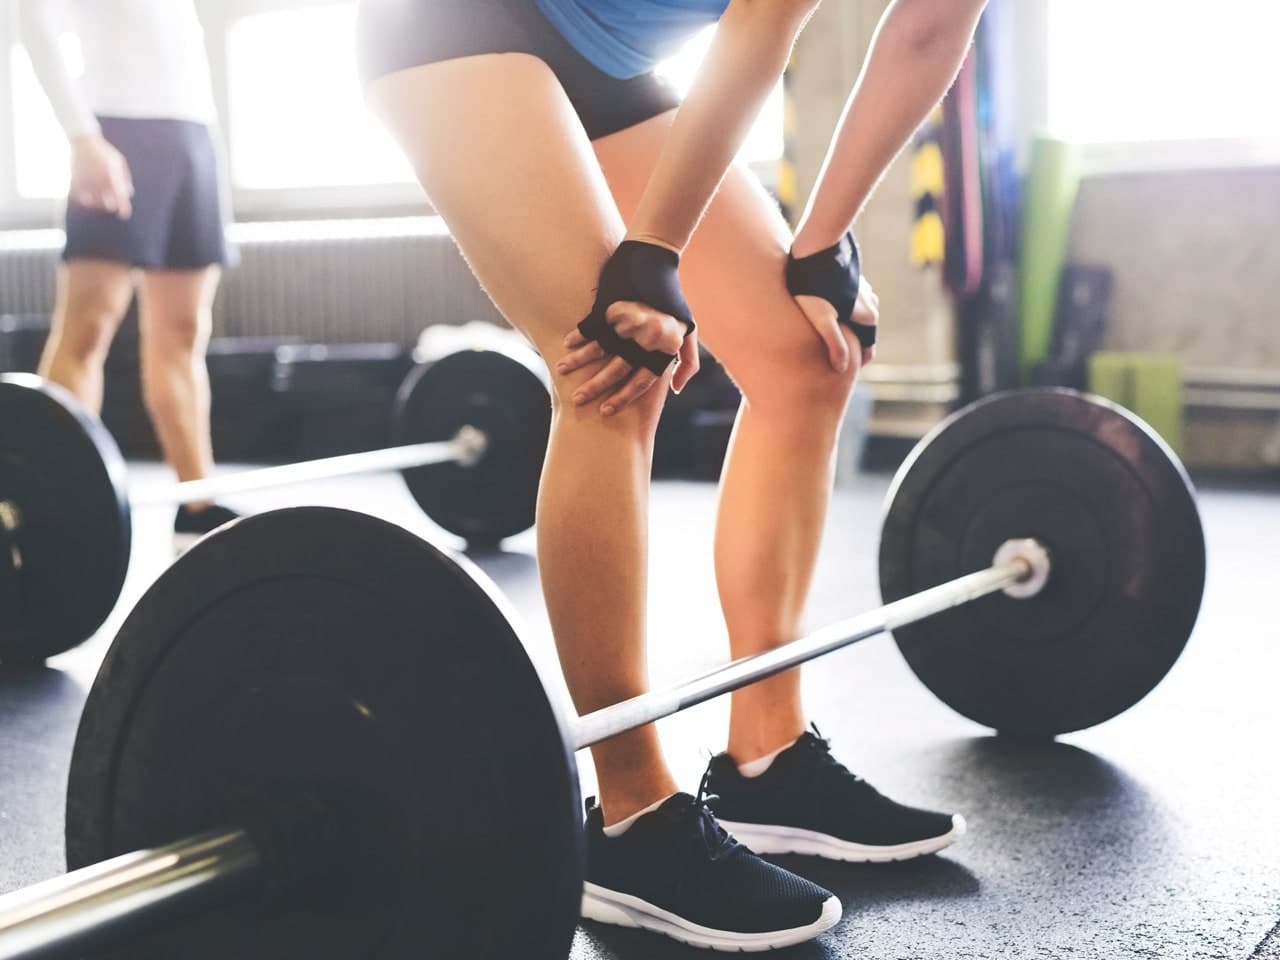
248	203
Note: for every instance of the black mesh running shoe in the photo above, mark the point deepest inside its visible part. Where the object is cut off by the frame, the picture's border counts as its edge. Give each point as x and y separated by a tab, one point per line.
190	525
807	802
678	873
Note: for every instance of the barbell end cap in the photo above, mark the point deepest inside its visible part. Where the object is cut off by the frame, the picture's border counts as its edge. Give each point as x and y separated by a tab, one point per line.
472	444
1036	557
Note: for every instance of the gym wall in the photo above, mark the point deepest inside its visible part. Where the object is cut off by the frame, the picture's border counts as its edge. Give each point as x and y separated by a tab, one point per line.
1197	274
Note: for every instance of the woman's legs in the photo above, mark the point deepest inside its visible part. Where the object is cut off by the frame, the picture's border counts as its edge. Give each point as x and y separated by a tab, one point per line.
505	161
777	478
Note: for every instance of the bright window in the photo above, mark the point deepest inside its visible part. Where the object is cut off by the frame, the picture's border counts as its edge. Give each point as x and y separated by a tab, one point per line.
43	158
298	118
1155	70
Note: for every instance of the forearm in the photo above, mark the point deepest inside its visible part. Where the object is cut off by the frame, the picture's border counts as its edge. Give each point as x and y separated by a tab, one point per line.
39	32
745	61
914	56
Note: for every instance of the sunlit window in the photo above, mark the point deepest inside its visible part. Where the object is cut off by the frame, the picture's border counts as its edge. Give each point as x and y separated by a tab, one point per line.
1155	70
298	118
42	156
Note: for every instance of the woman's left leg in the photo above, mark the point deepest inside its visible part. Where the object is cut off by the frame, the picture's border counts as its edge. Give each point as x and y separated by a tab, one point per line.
780	789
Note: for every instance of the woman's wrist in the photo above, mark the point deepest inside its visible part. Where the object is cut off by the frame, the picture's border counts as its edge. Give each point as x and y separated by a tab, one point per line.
814	237
641	237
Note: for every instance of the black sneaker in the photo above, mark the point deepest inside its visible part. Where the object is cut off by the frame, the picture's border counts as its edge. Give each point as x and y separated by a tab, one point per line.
190	525
807	802
678	873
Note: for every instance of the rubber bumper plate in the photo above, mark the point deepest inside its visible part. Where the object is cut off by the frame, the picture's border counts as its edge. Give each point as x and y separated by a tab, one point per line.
64	562
323	654
1117	513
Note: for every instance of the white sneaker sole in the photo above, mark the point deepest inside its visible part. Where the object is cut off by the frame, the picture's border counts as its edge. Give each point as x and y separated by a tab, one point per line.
766	838
608	906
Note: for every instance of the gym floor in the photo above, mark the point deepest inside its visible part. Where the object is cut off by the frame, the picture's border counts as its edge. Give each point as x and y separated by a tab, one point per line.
1153	836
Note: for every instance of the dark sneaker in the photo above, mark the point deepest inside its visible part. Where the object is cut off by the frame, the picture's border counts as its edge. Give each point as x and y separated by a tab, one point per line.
808	803
190	525
678	873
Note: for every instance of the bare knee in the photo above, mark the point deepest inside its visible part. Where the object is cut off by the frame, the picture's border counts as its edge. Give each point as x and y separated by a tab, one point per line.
802	387
638	421
88	325
177	336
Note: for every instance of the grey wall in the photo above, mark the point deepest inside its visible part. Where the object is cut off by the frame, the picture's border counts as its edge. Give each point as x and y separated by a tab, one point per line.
1197	273
1196	262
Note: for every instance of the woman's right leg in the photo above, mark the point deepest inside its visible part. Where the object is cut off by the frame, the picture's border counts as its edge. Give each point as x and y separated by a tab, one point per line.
504	159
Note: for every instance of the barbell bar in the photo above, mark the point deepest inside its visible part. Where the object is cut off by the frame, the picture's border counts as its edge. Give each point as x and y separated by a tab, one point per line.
323	660
465	449
472	422
86	902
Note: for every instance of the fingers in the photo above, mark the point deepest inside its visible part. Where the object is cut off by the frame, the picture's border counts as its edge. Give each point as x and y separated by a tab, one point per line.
822	317
610	376
837	347
649	328
587	353
639	384
617	379
123	203
690	363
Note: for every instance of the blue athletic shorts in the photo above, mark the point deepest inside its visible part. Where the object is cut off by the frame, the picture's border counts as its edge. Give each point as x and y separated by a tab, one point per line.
396	35
179	210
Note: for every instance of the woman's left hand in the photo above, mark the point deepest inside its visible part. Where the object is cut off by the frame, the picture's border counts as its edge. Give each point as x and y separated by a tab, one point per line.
842	347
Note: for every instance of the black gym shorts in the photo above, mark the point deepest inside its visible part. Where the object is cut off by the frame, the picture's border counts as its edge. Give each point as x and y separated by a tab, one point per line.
179	214
399	34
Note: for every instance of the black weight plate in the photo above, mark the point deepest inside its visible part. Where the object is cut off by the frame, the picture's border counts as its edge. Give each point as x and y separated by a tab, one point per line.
1118	515
321	652
503	392
61	468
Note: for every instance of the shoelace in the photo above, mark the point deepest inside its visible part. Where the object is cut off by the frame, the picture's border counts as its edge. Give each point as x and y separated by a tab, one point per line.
700	821
703	839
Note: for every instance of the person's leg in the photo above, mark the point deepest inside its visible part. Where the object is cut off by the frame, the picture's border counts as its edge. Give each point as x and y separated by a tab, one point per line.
505	161
175	317
777	478
92	298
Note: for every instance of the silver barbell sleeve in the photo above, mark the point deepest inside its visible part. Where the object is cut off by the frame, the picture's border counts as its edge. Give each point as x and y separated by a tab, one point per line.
86	902
465	448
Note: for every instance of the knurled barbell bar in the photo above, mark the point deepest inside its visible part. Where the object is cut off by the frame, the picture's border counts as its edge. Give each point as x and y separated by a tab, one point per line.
343	720
473	424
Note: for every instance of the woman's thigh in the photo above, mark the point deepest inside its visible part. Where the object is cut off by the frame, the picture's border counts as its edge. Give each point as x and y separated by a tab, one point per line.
504	159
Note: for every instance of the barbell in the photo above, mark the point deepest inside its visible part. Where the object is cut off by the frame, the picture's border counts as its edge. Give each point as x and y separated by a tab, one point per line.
473	425
317	735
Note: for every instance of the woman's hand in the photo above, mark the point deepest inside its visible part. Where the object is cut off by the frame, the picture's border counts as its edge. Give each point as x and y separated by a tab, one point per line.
841	345
617	380
100	177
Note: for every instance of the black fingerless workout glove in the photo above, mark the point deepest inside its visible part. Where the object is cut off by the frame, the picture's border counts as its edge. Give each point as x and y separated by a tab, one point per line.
834	275
644	273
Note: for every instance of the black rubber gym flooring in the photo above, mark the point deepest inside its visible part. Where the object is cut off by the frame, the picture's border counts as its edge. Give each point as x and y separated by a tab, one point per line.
1156	835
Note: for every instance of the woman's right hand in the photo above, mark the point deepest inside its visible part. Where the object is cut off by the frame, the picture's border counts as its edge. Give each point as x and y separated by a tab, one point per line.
639	327
100	177
619	381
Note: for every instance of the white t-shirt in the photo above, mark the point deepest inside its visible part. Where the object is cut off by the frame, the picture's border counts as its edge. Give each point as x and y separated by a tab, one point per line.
142	58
